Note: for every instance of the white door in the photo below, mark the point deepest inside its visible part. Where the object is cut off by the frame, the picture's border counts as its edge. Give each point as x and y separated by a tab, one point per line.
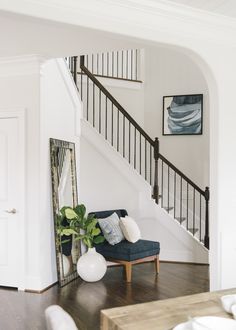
10	198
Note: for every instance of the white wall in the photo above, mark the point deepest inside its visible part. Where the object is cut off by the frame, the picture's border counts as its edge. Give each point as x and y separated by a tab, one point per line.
19	85
51	111
130	96
169	72
59	118
108	182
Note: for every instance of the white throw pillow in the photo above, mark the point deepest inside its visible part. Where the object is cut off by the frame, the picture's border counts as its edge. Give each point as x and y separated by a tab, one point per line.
130	229
58	319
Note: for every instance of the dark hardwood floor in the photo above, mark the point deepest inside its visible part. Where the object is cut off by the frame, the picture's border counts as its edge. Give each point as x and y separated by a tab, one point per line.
25	311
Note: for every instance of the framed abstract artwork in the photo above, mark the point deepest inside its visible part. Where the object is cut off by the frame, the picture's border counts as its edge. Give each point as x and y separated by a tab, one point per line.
182	114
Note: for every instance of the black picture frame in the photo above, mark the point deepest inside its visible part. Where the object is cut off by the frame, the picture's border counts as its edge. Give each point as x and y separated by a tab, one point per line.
182	114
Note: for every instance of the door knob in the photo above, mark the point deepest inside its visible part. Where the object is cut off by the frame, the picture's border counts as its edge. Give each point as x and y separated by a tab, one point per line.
13	211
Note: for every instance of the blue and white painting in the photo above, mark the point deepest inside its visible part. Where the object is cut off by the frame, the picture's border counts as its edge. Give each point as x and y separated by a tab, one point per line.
182	114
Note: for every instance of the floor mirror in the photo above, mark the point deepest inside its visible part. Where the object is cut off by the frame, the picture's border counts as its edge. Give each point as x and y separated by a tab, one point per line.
64	193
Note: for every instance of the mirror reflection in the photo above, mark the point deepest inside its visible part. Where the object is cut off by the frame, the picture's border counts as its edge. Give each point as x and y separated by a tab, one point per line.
64	193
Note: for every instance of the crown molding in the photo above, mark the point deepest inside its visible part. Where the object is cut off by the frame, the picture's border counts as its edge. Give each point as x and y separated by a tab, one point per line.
135	18
20	65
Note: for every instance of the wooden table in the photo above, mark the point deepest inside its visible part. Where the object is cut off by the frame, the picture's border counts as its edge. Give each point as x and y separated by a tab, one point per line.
164	314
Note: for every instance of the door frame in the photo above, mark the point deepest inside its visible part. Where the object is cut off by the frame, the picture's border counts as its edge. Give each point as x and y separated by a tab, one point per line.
19	113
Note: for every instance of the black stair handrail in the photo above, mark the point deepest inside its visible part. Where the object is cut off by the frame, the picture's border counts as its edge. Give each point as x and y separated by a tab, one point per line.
114	101
156	153
174	168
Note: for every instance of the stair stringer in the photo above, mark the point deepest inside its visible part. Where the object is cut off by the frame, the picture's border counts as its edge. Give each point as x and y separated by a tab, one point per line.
177	243
155	223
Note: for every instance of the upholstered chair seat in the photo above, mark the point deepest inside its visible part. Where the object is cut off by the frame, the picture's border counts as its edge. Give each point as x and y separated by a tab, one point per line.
127	253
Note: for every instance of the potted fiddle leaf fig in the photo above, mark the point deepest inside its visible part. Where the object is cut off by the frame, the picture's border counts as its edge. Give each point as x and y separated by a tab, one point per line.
91	265
81	226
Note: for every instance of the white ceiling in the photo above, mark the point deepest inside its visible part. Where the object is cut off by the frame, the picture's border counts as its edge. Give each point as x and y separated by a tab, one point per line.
223	7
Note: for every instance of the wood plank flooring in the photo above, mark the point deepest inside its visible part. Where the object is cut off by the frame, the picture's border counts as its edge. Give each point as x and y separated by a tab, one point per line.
25	311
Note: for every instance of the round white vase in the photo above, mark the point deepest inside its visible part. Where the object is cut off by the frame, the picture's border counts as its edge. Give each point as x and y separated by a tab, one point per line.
91	266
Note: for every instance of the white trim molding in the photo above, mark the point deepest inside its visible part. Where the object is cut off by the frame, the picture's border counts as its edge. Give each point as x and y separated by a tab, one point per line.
116	15
20	65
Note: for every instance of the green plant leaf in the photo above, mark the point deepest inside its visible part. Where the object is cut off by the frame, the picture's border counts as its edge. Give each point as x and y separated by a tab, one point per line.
68	231
70	213
62	211
80	210
65	241
87	241
91	226
96	231
79	237
99	239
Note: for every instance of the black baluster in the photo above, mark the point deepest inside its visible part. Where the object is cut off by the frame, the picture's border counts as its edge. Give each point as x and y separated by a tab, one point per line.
129	142
206	237
75	69
145	145
150	164
112	61
118	129
112	118
122	63
124	136
175	195
200	216
168	189
127	64
140	153
135	148
106	120
81	78
100	110
102	64
193	211
156	157
117	67
87	98
181	197
162	183
187	206
93	105
131	69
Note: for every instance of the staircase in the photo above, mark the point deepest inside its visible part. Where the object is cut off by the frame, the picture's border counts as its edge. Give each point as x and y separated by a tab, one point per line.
172	190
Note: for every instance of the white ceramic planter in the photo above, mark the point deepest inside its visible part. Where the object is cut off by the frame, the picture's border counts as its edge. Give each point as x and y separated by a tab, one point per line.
91	266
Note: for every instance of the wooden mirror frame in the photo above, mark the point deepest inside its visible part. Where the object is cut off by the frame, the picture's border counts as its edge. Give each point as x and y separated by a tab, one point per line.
59	150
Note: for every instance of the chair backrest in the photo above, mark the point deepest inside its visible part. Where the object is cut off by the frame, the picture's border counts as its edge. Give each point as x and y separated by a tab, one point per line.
105	214
58	319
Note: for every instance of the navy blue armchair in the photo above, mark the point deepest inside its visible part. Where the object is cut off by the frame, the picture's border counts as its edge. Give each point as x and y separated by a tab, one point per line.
126	253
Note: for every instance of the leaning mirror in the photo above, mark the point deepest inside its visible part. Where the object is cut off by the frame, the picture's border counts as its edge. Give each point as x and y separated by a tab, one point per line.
64	193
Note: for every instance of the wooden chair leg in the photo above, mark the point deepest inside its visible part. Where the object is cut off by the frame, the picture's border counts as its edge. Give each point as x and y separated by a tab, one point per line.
128	270
157	264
